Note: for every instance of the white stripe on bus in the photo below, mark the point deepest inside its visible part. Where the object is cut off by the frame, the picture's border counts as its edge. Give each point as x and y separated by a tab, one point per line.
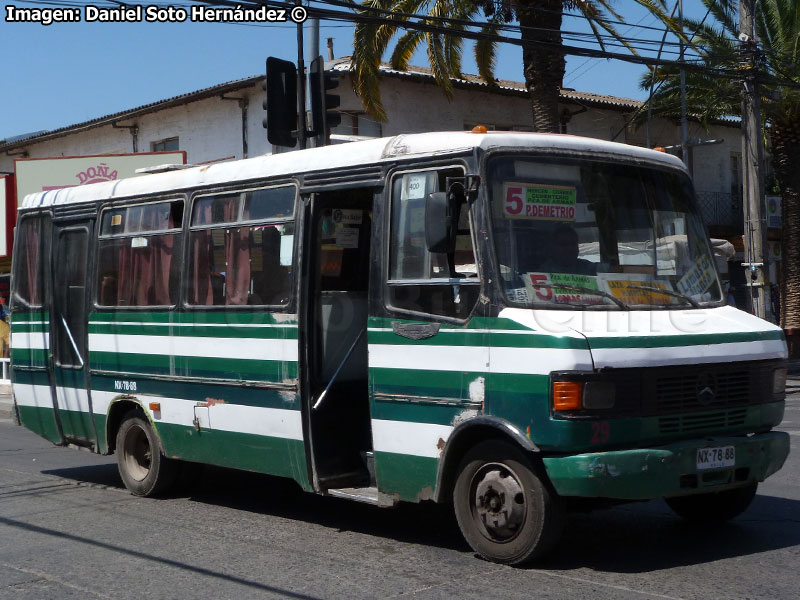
481	359
676	355
30	340
402	437
211	347
256	420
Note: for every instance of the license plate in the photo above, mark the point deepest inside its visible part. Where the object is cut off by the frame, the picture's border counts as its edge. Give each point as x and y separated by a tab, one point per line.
716	458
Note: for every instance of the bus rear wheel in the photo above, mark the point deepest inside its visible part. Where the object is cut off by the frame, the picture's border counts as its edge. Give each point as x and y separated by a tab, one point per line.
713	507
144	470
506	510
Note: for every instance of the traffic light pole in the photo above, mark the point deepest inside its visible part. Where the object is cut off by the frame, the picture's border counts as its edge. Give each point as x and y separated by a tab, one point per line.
301	89
753	159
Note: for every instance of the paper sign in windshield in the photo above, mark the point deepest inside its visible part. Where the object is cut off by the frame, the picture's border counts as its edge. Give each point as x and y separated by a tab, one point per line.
544	287
699	278
539	202
628	288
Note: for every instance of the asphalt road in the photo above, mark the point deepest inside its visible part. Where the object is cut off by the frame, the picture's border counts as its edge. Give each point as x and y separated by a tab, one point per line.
68	529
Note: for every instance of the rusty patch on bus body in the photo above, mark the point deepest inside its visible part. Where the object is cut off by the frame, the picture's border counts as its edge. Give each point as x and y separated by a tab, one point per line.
426	493
213	401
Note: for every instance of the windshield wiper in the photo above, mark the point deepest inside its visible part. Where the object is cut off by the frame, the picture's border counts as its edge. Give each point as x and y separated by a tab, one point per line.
666	293
584	290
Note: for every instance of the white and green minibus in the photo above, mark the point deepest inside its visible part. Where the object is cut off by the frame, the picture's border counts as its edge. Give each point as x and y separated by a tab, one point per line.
508	322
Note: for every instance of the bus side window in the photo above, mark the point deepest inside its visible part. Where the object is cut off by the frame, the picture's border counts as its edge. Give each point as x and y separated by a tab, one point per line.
420	281
139	255
233	262
29	276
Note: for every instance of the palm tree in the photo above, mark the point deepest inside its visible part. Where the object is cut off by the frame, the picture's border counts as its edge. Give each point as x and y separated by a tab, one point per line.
778	34
542	54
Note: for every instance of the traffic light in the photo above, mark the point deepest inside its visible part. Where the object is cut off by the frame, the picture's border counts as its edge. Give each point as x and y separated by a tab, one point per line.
322	118
281	102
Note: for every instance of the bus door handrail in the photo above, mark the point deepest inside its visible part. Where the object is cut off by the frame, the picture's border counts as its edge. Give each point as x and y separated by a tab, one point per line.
338	370
72	340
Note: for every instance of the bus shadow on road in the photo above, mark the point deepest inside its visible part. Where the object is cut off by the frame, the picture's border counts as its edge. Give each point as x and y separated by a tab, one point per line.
639	538
632	538
105	475
427	523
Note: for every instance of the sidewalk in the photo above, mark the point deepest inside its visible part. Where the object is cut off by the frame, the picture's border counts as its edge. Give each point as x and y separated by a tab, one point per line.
6	404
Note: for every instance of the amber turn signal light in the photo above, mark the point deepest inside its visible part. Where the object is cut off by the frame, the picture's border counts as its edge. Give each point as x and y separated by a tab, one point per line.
567	395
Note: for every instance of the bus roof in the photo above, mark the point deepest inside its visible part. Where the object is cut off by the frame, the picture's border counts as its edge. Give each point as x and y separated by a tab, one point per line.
353	154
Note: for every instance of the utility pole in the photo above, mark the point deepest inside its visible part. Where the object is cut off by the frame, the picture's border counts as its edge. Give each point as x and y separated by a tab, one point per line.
684	120
301	87
753	164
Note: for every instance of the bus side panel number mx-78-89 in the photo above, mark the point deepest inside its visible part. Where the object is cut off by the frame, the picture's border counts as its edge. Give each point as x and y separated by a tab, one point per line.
124	386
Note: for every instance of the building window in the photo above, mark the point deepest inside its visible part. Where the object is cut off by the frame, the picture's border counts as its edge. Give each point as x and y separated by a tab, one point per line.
166	145
358	124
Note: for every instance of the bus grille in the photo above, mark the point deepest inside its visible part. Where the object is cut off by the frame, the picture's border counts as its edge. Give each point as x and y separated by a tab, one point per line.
704	388
700	422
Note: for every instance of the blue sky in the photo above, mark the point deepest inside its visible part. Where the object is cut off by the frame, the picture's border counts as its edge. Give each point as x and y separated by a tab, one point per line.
66	73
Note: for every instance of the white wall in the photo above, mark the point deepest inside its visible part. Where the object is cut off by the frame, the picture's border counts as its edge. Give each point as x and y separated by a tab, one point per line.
211	129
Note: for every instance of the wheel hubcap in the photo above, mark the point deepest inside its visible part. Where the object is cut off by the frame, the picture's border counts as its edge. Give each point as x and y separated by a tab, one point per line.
499	503
137	453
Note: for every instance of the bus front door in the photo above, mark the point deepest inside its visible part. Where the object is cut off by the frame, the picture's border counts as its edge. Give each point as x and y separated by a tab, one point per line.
68	327
335	357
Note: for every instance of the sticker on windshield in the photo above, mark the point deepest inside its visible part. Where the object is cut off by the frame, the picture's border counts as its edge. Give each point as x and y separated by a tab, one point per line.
539	202
562	288
414	186
632	288
699	278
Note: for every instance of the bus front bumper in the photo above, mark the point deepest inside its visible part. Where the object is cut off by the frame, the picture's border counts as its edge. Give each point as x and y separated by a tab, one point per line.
670	470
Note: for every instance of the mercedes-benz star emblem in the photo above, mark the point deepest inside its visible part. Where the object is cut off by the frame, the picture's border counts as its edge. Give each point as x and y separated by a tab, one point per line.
706	388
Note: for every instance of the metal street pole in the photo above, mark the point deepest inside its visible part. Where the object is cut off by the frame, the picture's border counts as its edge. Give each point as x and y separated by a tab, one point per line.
753	161
684	121
301	88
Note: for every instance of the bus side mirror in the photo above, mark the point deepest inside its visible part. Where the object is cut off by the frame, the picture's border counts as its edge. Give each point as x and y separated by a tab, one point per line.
441	221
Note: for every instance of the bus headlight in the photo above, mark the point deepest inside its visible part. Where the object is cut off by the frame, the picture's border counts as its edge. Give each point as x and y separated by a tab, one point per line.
599	395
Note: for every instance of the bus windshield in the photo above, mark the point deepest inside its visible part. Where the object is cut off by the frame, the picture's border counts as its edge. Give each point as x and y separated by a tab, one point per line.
582	232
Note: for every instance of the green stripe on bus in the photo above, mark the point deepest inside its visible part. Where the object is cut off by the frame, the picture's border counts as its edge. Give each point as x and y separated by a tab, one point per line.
474	323
227	317
186	331
222	368
665	341
415	412
405	475
452	337
440	384
30	327
41	421
31	377
199	392
262	454
26	357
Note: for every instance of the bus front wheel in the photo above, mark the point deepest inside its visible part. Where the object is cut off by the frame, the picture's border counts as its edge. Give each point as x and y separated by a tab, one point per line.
713	507
506	509
144	470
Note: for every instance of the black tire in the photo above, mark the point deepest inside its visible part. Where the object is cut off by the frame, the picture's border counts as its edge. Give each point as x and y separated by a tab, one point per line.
506	509
714	507
144	470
